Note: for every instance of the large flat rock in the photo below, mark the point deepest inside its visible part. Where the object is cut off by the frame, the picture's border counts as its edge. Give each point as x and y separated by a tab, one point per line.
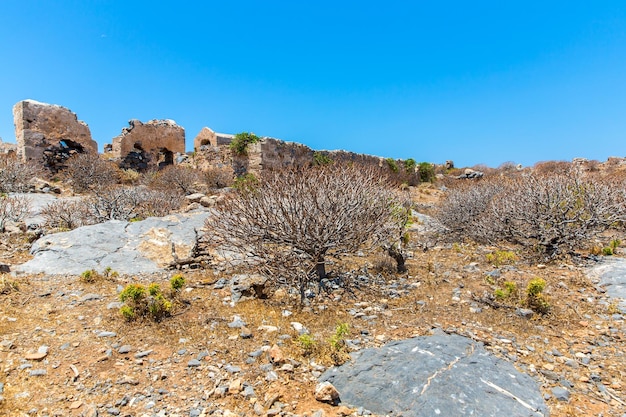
447	375
126	247
611	274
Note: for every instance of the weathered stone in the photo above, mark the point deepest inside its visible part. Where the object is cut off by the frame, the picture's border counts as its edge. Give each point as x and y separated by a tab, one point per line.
49	134
326	392
7	148
151	144
431	375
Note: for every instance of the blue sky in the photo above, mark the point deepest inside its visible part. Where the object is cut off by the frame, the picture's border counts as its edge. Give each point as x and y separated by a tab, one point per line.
476	82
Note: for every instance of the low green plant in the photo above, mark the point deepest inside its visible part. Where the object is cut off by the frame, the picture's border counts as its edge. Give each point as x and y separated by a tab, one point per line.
337	340
321	159
607	251
241	141
535	299
307	343
246	182
89	276
177	282
141	301
501	257
510	289
392	164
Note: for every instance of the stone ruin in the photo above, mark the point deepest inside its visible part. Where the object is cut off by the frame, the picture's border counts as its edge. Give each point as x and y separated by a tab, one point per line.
212	151
7	148
153	144
50	134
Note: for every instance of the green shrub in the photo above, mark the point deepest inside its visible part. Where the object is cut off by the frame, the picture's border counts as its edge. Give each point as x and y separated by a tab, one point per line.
501	257
510	288
89	276
534	297
392	164
409	165
321	159
337	341
177	282
246	182
240	142
144	302
607	251
426	172
307	343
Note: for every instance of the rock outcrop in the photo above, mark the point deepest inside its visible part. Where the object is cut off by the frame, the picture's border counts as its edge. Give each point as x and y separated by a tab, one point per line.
128	248
49	134
149	145
436	375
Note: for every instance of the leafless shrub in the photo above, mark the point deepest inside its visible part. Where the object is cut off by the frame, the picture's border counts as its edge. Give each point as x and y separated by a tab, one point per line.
216	178
293	222
462	210
176	179
15	175
66	215
552	167
13	208
129	177
127	203
86	171
548	214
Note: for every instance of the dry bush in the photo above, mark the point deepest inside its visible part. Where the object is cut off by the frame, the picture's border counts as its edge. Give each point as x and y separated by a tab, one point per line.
126	203
290	224
552	167
216	178
13	209
86	171
130	177
66	215
15	175
547	214
176	179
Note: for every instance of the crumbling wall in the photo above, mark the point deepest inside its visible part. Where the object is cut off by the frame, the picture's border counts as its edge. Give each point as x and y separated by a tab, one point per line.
212	151
49	134
7	148
141	146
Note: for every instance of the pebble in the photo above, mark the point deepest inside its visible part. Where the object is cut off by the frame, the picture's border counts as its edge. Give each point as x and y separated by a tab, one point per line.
106	334
124	349
560	393
38	372
143	354
194	363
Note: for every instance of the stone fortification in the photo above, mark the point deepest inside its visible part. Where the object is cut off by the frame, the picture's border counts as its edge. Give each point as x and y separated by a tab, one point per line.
153	144
49	134
212	151
7	148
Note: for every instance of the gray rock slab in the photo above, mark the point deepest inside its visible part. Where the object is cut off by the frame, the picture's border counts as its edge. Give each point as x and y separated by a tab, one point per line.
125	247
436	375
37	202
611	273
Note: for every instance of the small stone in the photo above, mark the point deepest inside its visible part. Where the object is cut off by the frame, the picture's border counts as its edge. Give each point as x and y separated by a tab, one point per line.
37	356
245	333
143	354
548	366
299	327
90	297
38	372
235	386
276	355
560	393
106	334
76	405
327	393
124	349
524	313
237	322
194	363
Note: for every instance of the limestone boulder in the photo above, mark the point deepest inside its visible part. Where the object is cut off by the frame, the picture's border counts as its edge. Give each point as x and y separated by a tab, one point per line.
151	144
49	134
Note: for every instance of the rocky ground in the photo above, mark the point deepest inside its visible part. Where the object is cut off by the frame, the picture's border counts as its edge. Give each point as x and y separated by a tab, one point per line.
66	351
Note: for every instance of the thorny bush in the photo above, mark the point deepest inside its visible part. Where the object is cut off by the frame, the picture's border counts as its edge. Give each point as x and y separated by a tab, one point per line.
292	222
13	208
549	215
15	175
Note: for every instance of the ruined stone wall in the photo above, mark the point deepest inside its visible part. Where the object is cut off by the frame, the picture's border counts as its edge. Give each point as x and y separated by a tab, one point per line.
212	151
148	145
7	148
49	134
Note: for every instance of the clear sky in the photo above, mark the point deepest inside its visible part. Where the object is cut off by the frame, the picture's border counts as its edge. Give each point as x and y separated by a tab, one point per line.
476	82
